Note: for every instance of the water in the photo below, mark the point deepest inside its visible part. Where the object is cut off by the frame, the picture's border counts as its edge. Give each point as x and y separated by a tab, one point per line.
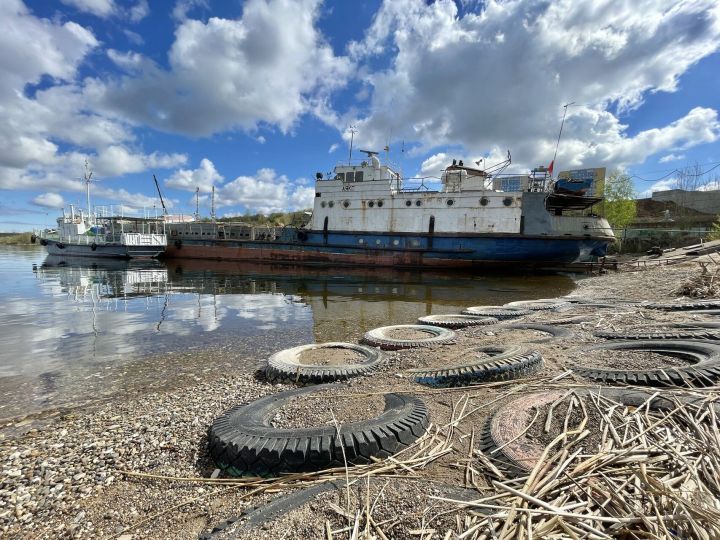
79	330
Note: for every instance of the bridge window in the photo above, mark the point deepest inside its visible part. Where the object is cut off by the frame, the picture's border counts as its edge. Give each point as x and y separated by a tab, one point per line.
349	176
358	176
340	176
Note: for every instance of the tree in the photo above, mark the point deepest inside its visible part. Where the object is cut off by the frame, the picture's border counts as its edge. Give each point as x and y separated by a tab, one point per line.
714	232
619	207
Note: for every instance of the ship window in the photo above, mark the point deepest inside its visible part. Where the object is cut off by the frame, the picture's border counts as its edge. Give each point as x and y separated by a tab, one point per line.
340	176
358	176
322	204
396	242
346	204
361	241
380	203
418	203
318	194
331	204
507	201
408	203
349	176
371	204
484	201
450	202
378	242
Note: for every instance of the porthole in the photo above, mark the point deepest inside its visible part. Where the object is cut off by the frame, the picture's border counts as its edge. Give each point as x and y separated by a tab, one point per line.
322	204
418	203
507	201
378	242
484	201
346	203
396	242
371	204
380	203
450	202
361	241
331	204
408	203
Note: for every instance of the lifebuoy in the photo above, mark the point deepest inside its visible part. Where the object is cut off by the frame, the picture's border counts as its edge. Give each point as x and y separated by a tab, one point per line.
60	245
302	236
43	242
93	246
178	244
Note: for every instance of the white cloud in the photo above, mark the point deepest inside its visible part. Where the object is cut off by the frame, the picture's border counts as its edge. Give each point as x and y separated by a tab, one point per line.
271	65
204	177
183	7
672	157
333	147
452	81
139	11
266	192
435	164
100	8
261	139
117	160
49	200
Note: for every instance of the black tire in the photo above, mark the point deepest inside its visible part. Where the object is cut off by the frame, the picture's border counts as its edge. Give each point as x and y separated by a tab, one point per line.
302	236
541	304
502	445
43	242
285	366
242	440
33	238
570	320
496	311
178	244
685	306
505	364
377	337
704	372
681	332
556	332
93	246
60	245
452	320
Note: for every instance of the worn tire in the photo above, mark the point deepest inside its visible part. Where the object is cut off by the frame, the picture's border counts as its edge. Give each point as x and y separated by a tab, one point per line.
685	306
681	332
556	332
704	372
502	442
541	304
377	337
285	366
497	312
507	363
456	320
242	441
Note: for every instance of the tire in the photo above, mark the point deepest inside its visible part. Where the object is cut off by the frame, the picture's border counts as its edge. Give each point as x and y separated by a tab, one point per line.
43	242
705	371
556	332
456	320
506	364
538	305
378	338
33	238
242	440
685	306
502	440
93	246
302	236
496	311
178	244
285	366
570	320
682	332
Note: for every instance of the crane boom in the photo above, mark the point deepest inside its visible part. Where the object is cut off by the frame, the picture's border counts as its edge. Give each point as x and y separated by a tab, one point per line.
160	194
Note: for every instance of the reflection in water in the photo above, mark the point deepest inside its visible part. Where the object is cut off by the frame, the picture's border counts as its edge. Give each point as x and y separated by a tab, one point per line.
72	325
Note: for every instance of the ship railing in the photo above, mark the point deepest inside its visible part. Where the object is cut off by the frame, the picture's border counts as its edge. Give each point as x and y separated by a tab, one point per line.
143	239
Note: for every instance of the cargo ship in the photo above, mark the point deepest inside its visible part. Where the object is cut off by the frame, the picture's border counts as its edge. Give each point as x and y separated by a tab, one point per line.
365	214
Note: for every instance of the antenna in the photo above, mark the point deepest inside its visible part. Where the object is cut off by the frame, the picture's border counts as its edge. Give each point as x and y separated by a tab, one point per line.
353	131
561	128
212	204
197	203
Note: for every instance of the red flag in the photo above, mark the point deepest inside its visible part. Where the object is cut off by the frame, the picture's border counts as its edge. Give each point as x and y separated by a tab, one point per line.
550	167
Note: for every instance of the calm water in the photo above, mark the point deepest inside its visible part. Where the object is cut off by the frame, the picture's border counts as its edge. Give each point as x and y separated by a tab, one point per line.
77	330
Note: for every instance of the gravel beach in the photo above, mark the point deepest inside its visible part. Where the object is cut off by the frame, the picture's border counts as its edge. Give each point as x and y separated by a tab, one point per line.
98	470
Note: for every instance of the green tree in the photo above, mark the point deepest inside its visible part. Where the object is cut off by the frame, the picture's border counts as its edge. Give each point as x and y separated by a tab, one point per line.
714	232
619	207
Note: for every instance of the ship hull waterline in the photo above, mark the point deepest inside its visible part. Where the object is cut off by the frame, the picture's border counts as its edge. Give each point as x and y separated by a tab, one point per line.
105	251
381	250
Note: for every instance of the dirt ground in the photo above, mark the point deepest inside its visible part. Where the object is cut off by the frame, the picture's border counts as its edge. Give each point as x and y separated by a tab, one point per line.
129	469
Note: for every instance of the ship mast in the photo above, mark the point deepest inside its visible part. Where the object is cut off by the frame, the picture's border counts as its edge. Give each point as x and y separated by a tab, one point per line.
560	134
87	176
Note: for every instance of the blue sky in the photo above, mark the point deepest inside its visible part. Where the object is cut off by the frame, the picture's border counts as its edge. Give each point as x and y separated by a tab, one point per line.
255	97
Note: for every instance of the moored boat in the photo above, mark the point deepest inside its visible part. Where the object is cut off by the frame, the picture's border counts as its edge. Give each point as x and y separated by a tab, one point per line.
364	213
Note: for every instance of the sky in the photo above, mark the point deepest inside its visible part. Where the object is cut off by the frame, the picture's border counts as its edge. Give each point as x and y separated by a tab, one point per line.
255	97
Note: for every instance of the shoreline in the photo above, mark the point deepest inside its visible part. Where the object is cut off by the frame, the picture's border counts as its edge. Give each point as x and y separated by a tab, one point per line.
70	476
